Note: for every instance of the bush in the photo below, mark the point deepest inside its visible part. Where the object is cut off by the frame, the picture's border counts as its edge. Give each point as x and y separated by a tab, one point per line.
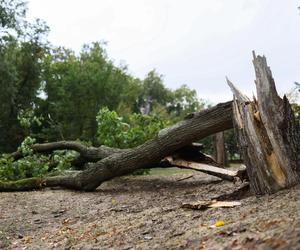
113	131
33	165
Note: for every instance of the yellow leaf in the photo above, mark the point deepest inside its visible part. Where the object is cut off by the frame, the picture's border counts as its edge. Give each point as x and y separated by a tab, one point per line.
219	223
114	202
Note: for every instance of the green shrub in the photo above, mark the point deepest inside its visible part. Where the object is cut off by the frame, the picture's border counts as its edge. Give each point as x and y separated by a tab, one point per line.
33	165
113	131
116	131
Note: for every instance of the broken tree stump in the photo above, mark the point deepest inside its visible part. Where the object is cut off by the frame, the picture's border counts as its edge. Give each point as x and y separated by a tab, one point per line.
268	134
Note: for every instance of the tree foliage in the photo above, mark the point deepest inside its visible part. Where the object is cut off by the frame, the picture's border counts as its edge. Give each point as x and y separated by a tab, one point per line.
12	13
21	53
76	87
120	132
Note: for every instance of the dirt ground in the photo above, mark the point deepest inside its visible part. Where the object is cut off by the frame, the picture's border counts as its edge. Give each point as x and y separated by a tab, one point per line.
143	212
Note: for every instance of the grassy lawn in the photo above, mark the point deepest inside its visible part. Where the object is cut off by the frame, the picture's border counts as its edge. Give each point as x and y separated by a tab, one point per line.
169	171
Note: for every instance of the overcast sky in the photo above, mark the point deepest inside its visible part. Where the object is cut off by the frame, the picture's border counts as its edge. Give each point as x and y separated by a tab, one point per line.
193	42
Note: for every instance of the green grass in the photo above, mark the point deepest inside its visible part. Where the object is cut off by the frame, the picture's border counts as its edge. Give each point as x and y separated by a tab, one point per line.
169	171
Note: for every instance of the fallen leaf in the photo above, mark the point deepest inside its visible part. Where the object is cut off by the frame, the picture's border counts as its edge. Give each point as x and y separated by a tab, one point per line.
275	243
202	245
219	223
234	243
66	221
148	237
27	239
225	204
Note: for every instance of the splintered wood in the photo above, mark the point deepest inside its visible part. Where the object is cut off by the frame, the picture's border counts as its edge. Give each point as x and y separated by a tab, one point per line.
268	134
202	205
222	173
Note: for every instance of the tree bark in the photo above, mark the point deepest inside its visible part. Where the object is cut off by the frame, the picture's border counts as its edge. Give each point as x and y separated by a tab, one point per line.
90	154
116	162
268	134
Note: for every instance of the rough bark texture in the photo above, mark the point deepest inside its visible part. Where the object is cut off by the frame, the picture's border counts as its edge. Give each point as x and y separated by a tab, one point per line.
116	162
268	134
89	154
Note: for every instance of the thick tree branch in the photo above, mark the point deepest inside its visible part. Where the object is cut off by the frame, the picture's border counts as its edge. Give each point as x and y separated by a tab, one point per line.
34	183
167	141
116	162
87	154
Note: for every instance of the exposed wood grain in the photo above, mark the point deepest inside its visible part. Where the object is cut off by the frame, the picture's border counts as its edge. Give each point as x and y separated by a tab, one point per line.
222	173
268	134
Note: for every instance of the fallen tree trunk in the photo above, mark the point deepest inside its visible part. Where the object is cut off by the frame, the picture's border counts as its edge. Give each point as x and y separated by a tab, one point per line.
116	162
268	134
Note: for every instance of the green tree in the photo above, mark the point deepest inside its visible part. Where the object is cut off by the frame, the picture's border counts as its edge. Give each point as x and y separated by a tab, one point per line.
76	87
12	14
297	86
153	92
21	52
183	101
295	105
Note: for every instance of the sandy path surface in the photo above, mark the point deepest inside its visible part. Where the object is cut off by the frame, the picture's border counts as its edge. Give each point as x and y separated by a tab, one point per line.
143	212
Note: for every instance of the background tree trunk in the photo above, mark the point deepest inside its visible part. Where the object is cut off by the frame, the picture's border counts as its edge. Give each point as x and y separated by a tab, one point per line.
219	149
268	134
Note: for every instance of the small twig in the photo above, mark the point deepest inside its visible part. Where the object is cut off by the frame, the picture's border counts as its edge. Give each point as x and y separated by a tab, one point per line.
185	178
